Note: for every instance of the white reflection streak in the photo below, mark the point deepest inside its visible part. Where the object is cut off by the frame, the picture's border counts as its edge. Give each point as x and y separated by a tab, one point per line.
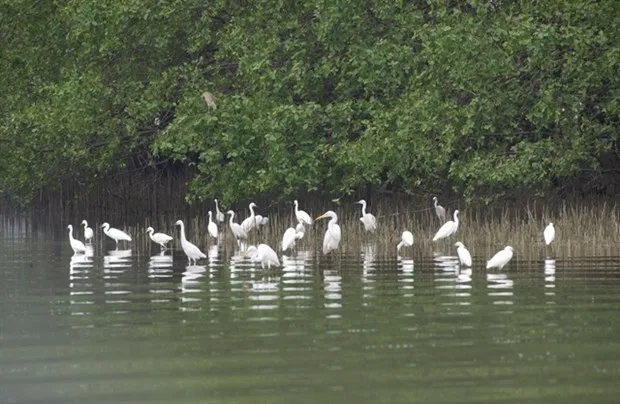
265	293
79	273
549	278
192	274
297	279
368	269
446	272
213	256
115	263
190	285
332	286
405	275
160	266
237	265
500	285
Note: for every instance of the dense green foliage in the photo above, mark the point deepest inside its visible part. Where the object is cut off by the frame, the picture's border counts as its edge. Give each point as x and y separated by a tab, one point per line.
483	97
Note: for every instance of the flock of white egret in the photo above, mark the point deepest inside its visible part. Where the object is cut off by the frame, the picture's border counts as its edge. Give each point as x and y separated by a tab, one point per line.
331	240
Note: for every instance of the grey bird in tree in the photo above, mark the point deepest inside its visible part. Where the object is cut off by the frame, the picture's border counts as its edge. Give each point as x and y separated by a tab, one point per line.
209	98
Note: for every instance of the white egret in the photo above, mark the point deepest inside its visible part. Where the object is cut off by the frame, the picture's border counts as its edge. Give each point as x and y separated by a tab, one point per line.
332	234
193	253
212	227
219	216
549	233
88	232
115	234
249	222
288	239
439	210
500	259
236	228
263	253
463	253
160	238
301	215
77	246
406	240
369	220
261	220
300	230
448	228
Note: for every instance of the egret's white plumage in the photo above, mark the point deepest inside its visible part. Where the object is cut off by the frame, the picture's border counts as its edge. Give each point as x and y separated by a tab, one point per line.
263	253
300	230
160	238
212	227
406	240
500	259
88	232
549	233
77	246
440	211
332	234
288	239
219	216
193	253
236	228
249	222
369	220
463	253
448	228
115	234
261	220
301	215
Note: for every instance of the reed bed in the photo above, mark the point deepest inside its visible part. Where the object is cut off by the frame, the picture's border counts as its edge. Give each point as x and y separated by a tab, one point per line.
583	227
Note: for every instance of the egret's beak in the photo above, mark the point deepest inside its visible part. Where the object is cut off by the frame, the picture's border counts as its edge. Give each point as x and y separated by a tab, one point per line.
321	217
101	227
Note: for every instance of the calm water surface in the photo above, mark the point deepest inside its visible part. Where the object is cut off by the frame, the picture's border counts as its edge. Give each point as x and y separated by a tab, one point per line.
117	326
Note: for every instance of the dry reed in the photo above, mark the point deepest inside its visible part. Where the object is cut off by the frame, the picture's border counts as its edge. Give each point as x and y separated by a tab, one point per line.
583	227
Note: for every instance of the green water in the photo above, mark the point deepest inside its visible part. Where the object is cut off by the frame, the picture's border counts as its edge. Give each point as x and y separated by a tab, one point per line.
125	327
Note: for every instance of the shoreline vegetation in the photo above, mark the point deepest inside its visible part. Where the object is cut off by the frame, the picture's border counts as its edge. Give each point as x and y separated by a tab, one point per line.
109	103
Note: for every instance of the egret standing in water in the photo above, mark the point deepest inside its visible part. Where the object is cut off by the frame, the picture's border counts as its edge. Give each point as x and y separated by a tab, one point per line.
301	215
332	237
440	211
249	222
88	232
406	240
263	253
212	227
115	234
300	230
77	246
288	239
369	220
448	228
500	259
159	238
219	216
236	228
463	253
549	233
193	253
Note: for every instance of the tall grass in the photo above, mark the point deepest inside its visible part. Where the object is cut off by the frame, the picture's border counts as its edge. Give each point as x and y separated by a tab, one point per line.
583	226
